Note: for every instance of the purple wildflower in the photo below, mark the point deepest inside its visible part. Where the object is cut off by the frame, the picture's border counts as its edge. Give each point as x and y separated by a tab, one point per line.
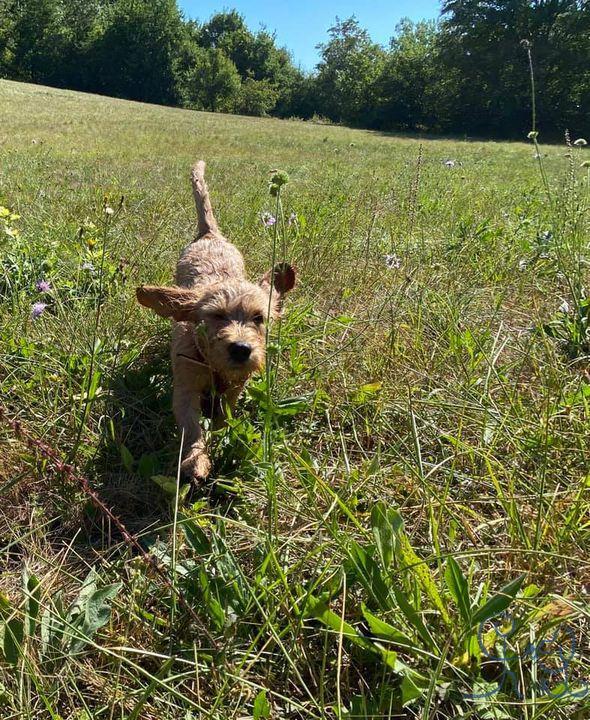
38	309
43	286
268	220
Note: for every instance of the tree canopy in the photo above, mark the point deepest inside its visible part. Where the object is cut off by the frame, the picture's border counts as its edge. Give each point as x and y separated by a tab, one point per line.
466	73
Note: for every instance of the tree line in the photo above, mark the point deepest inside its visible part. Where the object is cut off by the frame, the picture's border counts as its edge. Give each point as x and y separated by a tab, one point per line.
467	73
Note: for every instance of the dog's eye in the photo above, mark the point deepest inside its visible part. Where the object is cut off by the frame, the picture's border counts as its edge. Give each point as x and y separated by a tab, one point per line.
258	319
219	317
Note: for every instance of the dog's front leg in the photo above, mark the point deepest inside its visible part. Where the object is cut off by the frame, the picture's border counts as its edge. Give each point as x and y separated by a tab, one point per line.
187	411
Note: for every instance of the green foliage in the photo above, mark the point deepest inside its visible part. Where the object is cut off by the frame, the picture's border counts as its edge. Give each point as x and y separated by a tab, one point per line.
211	83
63	633
382	570
261	706
483	44
347	74
466	73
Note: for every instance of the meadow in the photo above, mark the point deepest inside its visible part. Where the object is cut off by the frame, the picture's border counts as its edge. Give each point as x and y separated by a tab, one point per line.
397	520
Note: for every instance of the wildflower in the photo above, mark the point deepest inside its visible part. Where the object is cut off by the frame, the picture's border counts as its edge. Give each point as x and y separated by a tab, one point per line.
449	163
522	265
393	262
268	220
38	309
580	142
4	212
292	219
109	210
43	286
533	135
564	307
277	180
88	266
279	177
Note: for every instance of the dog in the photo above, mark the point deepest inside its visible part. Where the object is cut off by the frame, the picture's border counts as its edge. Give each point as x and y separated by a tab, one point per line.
219	334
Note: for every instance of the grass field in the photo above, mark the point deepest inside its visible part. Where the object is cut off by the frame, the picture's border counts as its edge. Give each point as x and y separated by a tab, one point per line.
400	531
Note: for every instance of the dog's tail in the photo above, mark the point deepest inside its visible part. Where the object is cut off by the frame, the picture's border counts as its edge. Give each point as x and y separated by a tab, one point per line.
207	222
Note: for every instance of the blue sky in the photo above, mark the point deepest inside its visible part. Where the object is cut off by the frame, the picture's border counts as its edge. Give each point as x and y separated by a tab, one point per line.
300	26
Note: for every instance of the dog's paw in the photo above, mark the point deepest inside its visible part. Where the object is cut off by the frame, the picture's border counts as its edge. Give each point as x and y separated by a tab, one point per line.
196	467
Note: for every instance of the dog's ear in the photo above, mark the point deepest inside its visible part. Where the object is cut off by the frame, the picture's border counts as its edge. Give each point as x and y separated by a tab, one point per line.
283	278
178	303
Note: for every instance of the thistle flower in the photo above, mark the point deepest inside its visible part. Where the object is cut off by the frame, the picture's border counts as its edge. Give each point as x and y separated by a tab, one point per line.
43	286
38	309
277	180
279	177
268	219
393	262
580	142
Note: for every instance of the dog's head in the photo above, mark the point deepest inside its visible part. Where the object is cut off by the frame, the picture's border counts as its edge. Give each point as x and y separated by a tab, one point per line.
229	317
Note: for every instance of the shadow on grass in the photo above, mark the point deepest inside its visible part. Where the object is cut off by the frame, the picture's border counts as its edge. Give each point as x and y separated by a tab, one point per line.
139	441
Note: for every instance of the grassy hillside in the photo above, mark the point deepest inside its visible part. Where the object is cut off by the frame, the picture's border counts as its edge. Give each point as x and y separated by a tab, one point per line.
401	532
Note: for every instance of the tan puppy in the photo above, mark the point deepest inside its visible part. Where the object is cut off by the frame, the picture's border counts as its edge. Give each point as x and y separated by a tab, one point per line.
218	339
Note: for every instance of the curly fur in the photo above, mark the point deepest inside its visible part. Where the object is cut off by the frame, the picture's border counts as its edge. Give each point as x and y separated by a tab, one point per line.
214	307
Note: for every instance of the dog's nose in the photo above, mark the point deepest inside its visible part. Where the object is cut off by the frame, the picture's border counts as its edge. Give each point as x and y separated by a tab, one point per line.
240	351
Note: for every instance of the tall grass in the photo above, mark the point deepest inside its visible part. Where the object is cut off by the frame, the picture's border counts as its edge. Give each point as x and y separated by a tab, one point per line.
396	525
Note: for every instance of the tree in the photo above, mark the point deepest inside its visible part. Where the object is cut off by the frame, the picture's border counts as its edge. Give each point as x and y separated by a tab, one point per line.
257	97
481	43
266	71
212	82
468	73
347	73
406	86
33	47
134	57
